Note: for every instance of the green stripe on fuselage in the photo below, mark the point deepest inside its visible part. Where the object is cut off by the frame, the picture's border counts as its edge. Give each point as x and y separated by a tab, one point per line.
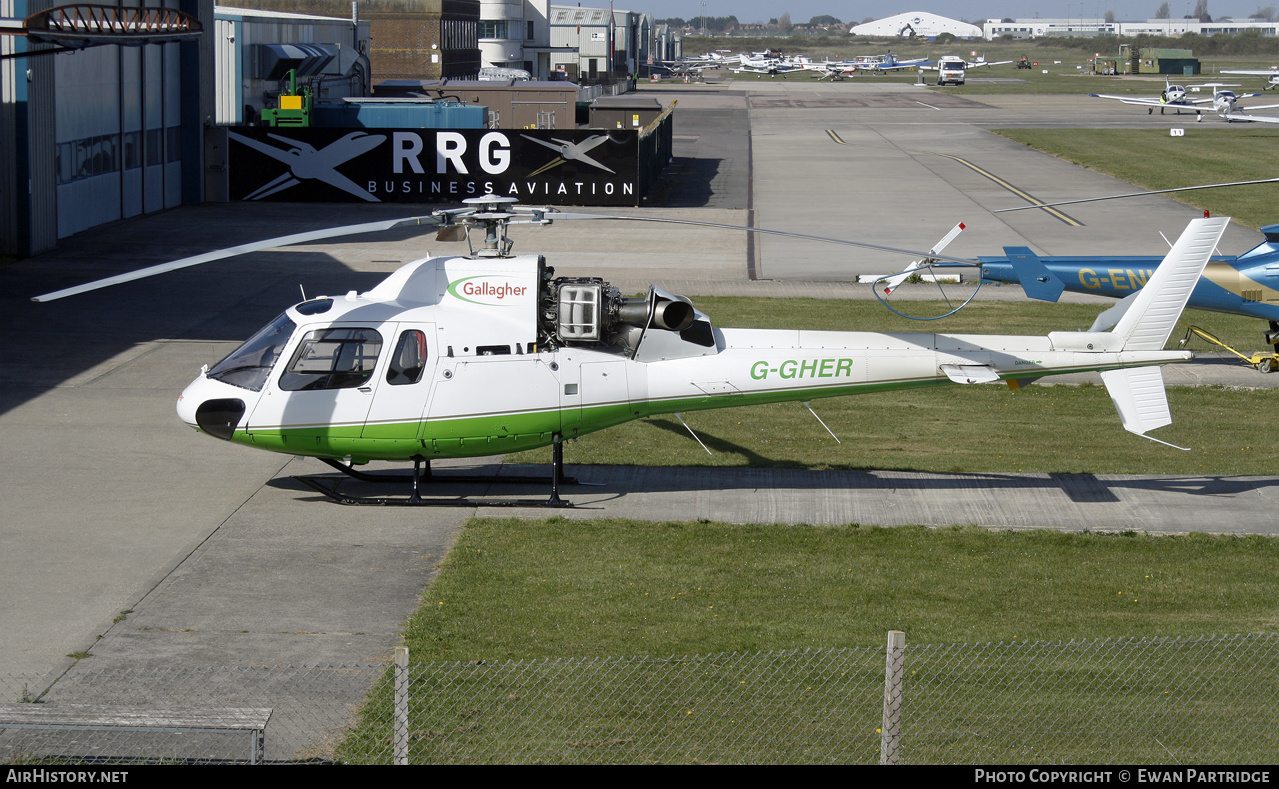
500	433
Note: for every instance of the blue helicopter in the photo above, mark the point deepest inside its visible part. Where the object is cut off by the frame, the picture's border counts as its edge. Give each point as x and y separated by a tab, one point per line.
1244	285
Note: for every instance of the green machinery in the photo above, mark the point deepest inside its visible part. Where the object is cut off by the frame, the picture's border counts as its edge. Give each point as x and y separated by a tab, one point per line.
295	106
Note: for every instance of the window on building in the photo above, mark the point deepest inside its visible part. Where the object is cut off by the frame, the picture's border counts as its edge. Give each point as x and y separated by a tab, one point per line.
493	28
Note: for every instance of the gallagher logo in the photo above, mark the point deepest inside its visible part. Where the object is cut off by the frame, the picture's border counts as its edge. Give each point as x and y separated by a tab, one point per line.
489	290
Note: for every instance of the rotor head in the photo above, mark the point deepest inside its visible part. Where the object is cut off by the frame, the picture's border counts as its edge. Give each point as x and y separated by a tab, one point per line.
493	213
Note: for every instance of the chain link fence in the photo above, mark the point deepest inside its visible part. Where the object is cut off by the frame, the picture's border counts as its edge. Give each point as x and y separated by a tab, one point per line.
1151	701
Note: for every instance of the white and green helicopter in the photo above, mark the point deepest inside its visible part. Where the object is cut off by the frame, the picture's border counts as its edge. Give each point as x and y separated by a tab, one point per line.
489	353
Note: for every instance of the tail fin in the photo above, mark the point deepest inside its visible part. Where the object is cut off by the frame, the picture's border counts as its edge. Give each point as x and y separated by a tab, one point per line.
1148	319
1036	279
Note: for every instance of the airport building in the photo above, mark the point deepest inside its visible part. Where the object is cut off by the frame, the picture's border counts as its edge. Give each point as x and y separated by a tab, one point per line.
111	132
1079	27
411	39
254	50
99	134
568	42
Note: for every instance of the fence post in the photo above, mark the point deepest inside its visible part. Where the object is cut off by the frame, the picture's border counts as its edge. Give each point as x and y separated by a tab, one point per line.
890	728
401	724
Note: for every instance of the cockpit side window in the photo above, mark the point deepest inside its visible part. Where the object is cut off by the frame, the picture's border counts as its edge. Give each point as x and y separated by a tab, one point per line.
332	359
249	365
409	359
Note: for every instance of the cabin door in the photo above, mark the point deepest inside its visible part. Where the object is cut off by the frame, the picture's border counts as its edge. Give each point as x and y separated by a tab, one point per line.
324	386
404	382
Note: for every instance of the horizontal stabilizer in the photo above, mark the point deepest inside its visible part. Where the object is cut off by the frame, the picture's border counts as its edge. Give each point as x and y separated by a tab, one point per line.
970	373
1036	279
1139	396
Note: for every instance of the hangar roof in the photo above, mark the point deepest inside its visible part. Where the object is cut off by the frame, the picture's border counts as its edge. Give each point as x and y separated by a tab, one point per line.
921	22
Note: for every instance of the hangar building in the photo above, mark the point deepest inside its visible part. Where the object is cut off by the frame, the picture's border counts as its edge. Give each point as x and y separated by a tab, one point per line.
916	24
112	132
99	134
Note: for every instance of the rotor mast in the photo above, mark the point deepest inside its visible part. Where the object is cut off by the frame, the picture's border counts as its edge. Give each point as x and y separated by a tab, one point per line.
492	213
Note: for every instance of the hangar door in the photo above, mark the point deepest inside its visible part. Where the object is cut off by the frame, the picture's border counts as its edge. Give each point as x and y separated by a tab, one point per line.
118	133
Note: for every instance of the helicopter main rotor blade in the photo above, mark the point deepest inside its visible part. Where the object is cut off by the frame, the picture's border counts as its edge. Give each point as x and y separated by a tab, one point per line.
556	215
1136	194
270	243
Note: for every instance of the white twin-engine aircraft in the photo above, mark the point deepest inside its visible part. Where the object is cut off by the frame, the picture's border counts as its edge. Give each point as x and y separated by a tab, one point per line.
468	356
1223	102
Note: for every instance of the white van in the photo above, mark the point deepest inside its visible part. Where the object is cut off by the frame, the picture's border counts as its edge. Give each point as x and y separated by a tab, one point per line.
950	70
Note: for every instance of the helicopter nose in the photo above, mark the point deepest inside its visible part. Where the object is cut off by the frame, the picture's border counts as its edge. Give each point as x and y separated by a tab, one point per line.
219	417
186	407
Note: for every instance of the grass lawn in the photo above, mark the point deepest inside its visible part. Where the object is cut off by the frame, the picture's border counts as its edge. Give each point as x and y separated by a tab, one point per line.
1205	155
514	589
951	429
980	317
765	645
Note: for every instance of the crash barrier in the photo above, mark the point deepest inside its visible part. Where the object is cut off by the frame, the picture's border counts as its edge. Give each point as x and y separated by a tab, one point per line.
1203	700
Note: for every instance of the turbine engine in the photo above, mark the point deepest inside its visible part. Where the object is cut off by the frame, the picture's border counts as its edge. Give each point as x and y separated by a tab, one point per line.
587	310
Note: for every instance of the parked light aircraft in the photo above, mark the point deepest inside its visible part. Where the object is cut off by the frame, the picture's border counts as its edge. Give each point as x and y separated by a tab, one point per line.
1174	96
1234	114
831	69
699	63
1223	102
685	69
878	64
1226	102
886	62
1271	75
718	57
487	353
761	64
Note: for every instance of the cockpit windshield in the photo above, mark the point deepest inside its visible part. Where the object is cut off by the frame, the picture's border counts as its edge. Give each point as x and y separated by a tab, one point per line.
249	365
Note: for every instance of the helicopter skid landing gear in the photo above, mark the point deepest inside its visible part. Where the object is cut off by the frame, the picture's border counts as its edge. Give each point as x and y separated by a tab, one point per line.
422	473
429	476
